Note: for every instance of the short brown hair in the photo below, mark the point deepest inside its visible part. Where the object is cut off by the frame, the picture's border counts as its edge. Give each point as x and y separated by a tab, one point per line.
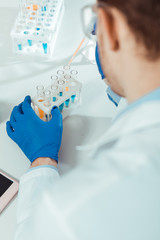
143	17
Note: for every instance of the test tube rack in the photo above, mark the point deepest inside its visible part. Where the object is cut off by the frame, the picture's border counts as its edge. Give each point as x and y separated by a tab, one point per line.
64	93
36	27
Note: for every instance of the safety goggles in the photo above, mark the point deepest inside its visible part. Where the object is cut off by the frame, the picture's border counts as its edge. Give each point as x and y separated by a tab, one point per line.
89	19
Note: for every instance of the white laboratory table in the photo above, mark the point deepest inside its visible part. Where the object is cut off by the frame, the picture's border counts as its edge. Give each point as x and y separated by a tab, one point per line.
19	77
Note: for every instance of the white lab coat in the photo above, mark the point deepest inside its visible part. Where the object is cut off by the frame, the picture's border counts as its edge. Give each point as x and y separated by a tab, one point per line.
114	195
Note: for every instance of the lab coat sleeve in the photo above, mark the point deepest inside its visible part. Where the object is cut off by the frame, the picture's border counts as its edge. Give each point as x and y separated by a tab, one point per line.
32	184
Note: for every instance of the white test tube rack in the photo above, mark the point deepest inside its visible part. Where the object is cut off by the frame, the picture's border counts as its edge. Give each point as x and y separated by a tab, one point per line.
36	27
65	94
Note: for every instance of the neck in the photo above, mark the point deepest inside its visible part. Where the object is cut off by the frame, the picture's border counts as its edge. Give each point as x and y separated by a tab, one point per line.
141	78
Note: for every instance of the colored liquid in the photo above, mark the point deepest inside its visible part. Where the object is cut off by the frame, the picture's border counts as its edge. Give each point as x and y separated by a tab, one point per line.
73	98
67	89
20	47
30	42
45	47
44	8
67	102
35	7
61	107
41	113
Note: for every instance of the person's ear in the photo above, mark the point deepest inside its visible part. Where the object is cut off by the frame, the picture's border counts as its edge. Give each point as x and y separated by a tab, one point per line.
106	24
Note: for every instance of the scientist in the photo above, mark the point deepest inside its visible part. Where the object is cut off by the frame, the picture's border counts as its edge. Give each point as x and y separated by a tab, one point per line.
115	194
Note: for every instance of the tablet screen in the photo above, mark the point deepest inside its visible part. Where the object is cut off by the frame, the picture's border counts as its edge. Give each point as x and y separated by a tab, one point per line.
5	183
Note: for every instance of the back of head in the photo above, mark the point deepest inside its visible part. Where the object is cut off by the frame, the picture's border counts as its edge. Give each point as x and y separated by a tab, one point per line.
143	17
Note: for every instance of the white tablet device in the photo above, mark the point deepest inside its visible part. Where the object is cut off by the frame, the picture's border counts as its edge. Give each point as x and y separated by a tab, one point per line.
8	189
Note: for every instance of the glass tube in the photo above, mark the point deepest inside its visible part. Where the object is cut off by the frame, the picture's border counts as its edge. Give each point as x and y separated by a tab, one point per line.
54	78
66	67
40	98
67	103
67	77
47	98
61	82
40	93
54	89
60	92
74	72
60	72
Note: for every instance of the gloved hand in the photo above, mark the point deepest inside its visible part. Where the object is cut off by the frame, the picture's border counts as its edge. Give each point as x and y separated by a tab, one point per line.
35	137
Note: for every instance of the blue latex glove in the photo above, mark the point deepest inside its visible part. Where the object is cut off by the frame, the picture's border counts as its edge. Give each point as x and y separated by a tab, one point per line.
35	137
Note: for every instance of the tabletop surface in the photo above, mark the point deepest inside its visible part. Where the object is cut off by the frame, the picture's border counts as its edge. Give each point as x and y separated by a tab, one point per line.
19	77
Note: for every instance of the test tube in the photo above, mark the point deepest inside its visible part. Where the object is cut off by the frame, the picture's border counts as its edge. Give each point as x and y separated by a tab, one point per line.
60	72
74	72
40	98
54	89
29	42
20	47
35	7
67	77
60	92
54	78
47	98
61	82
67	103
66	67
73	97
61	107
47	102
67	88
54	99
44	47
40	93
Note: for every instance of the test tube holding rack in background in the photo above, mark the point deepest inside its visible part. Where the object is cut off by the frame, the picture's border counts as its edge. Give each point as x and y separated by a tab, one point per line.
36	27
64	92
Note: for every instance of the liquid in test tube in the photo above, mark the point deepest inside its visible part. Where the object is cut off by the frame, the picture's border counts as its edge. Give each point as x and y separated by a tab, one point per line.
40	98
47	102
